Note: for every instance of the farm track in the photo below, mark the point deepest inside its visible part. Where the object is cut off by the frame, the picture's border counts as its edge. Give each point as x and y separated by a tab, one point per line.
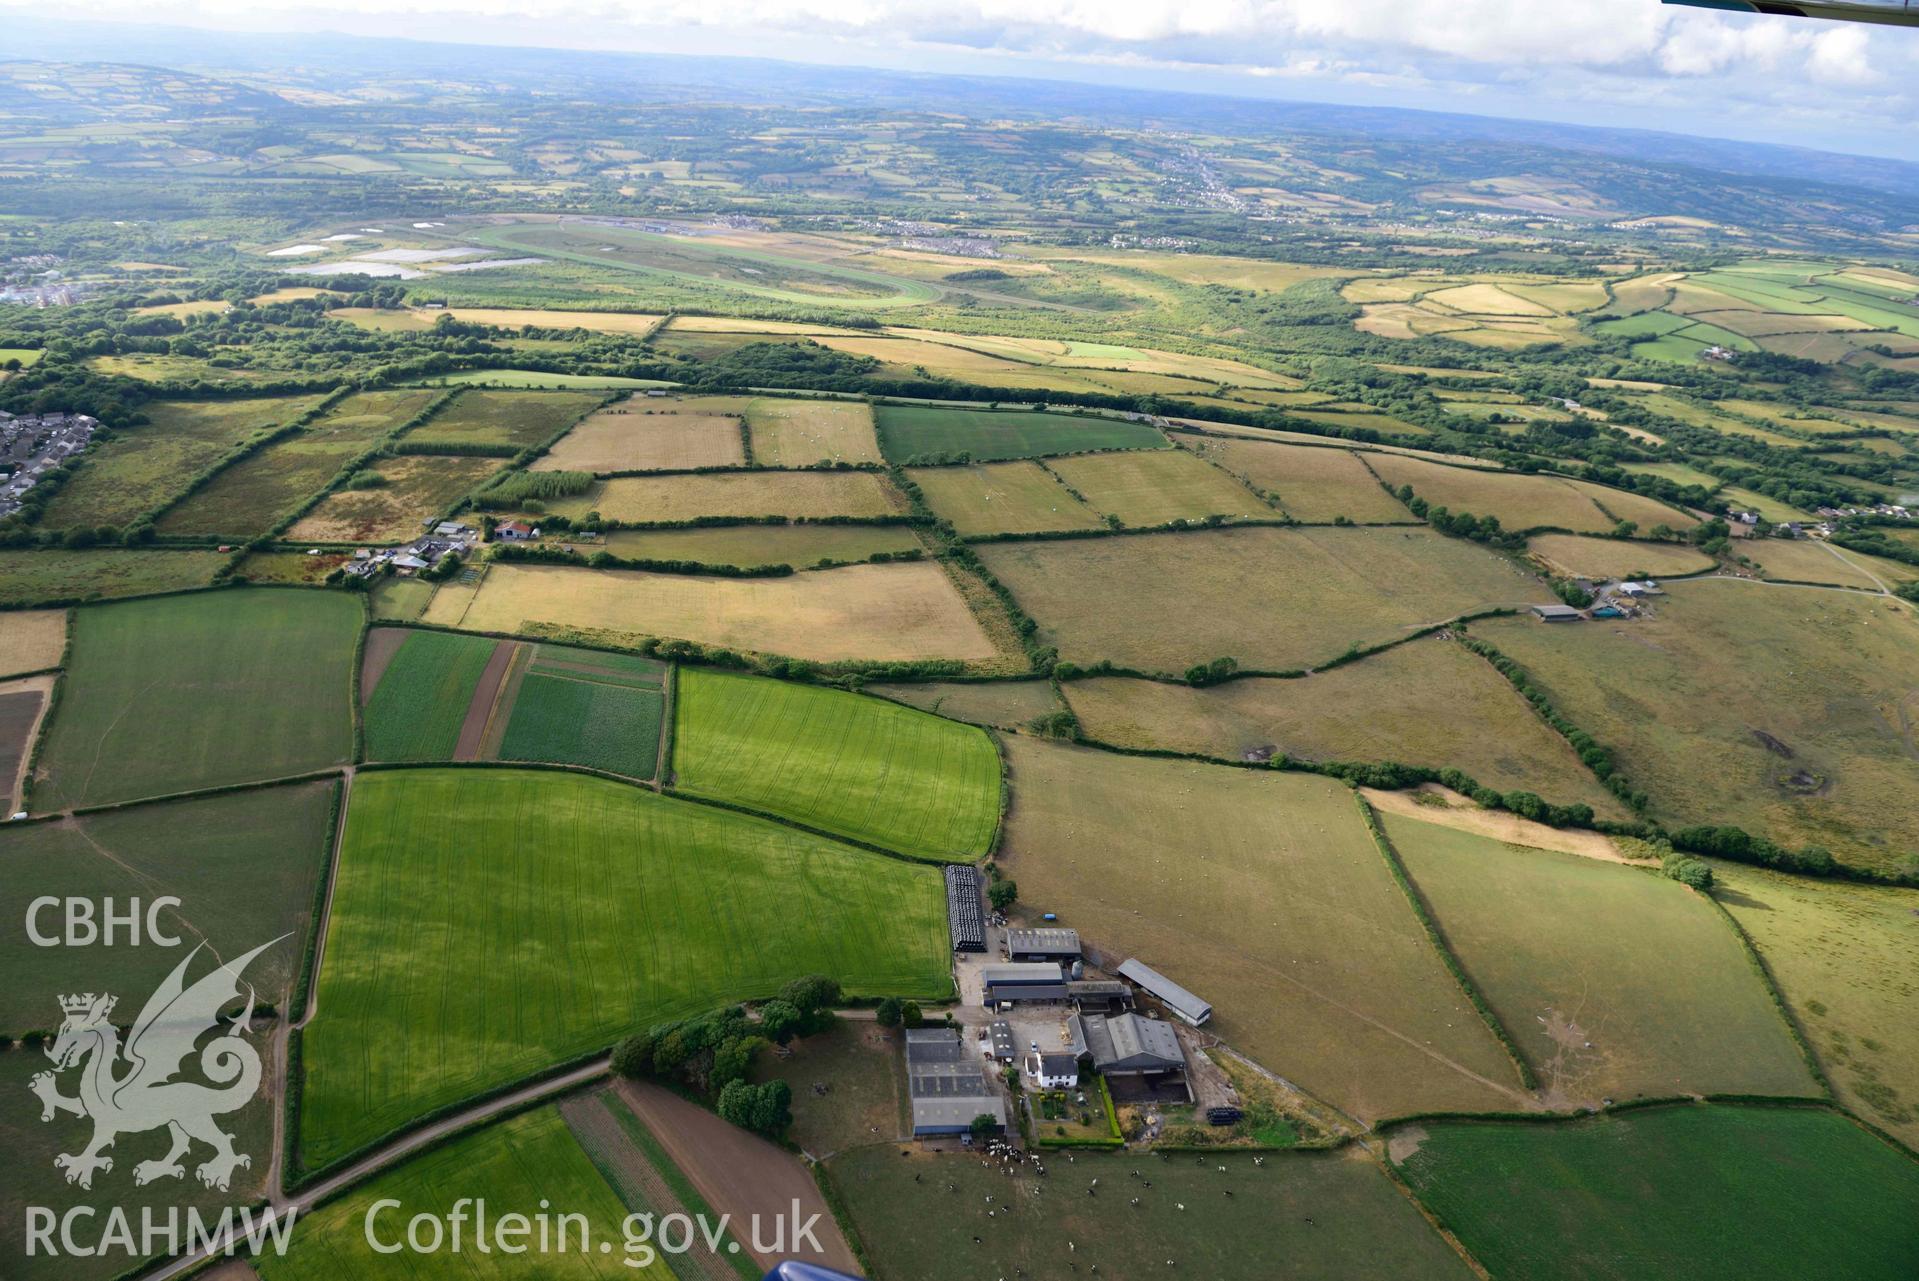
485	703
387	1156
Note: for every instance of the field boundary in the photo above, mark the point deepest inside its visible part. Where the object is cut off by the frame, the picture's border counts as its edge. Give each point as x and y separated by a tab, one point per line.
1756	959
1436	936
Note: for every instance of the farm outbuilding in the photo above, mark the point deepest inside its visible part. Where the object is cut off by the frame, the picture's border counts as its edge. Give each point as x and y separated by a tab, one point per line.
1556	614
1046	944
1128	1045
1170	994
947	1084
1022	982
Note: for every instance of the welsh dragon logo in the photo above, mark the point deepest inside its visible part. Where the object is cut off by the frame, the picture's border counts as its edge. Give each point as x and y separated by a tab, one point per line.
130	1089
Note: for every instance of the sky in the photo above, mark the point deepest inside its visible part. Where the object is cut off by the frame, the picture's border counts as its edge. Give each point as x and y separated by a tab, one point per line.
1635	63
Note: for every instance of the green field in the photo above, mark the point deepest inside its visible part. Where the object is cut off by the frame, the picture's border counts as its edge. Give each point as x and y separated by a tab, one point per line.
140	468
541	380
1846	958
859	767
400	600
1007	704
488	923
1274	599
517	1165
574	717
1327	1216
1614	982
196	691
1263	893
1157	488
259	492
415	712
1791	693
30	577
1428	702
910	432
243	866
522	419
1311	484
1577	556
1525	502
1682	1192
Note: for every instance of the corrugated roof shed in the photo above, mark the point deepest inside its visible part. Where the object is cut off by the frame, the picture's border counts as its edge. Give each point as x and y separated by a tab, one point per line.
1170	994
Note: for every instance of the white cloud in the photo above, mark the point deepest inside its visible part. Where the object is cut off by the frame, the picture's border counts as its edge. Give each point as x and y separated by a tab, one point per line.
1600	61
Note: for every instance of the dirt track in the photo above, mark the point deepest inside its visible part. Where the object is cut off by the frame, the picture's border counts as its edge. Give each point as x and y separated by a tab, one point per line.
740	1174
1497	824
479	712
382	643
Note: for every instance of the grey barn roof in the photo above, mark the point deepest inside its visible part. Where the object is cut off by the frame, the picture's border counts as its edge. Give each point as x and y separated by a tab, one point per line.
1017	972
1043	942
1128	1043
1170	994
947	1083
997	992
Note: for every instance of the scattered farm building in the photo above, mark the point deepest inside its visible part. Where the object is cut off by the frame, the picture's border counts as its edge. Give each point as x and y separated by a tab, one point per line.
1050	944
1099	996
965	918
1170	994
1128	1045
1556	614
947	1084
1023	982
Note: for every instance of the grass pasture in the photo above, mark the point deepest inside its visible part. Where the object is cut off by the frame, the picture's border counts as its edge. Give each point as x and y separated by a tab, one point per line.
911	432
1320	1215
516	1165
799	495
244	866
1264	893
577	707
419	490
652	434
1149	488
855	766
255	684
1020	497
416	708
799	433
1804	560
1313	485
1846	959
521	419
489	923
1429	702
1004	704
1795	695
31	640
874	613
801	546
1275	599
38	576
1576	556
140	468
1677	1192
1525	502
1614	982
257	493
